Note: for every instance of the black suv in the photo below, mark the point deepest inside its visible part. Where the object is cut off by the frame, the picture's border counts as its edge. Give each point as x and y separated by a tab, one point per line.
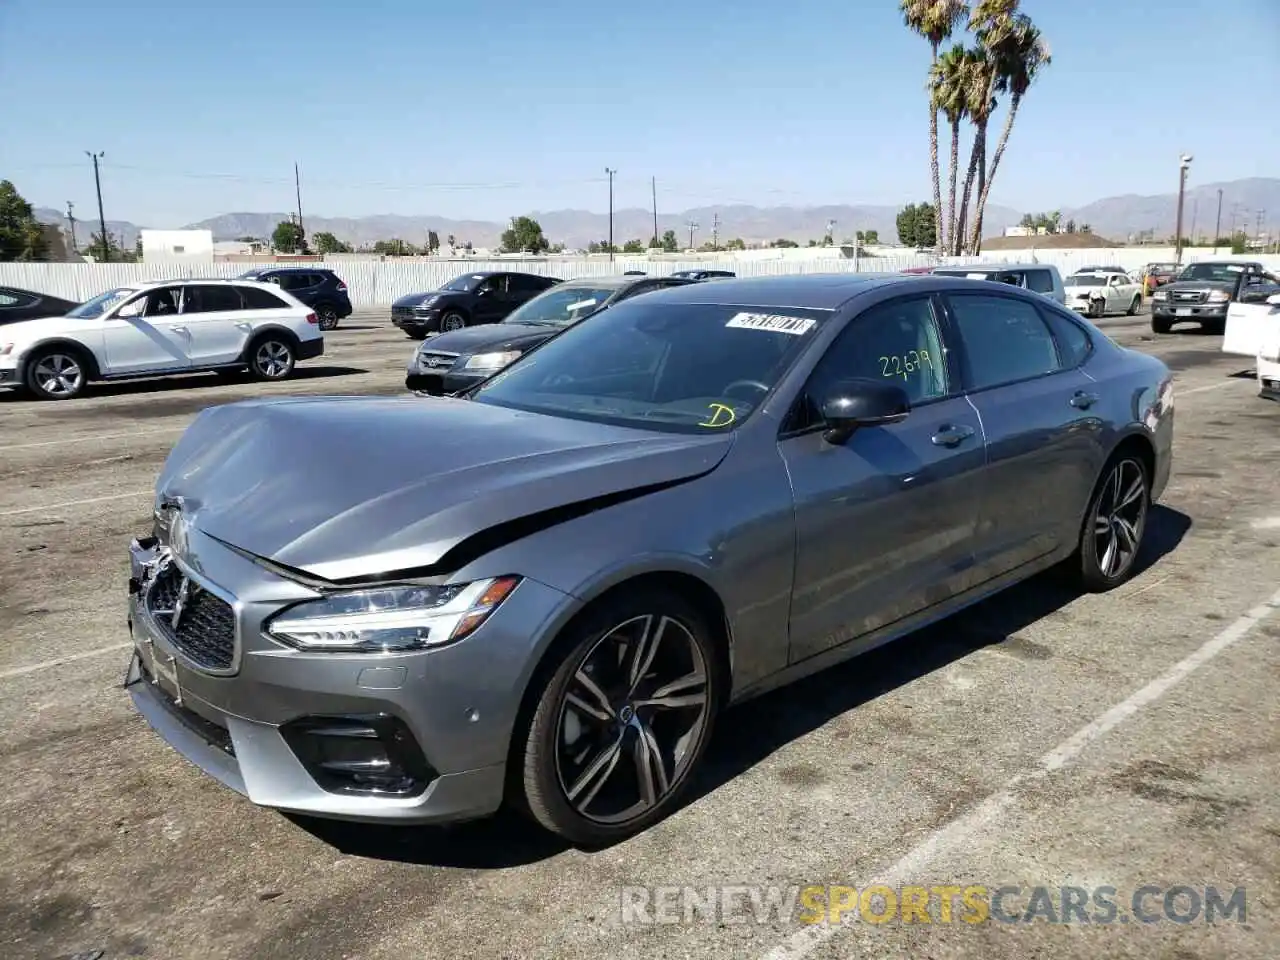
321	290
466	301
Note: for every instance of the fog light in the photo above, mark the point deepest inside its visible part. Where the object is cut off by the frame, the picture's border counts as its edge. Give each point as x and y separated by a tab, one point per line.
372	754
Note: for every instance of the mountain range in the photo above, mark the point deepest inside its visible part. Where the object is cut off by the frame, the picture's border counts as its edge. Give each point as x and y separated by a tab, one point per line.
1116	218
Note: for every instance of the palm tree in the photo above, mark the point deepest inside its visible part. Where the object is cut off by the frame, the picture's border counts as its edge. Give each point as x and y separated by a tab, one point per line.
980	83
1021	56
934	20
947	82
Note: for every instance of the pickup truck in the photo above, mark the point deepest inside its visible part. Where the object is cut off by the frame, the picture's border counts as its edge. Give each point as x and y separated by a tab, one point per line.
1203	293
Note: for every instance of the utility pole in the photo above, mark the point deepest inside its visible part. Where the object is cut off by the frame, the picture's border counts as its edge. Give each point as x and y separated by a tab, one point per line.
297	186
71	218
1183	166
1217	227
653	186
715	231
692	225
1195	209
1262	215
102	220
611	172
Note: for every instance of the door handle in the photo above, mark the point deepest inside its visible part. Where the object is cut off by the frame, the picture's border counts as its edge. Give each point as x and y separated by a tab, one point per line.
179	329
1082	400
951	435
244	325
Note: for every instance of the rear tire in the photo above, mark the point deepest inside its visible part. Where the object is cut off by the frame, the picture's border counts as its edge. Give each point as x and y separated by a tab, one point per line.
327	315
642	739
1114	525
272	357
58	373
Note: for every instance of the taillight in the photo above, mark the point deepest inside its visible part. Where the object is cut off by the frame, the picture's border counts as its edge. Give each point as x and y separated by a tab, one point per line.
342	287
312	318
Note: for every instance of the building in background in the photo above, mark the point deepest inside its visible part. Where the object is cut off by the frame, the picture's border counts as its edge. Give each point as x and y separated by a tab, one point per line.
185	245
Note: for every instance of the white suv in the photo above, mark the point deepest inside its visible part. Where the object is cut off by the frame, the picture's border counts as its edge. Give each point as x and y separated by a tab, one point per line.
171	326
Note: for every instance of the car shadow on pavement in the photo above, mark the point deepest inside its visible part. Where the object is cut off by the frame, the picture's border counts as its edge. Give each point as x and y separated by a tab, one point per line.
765	724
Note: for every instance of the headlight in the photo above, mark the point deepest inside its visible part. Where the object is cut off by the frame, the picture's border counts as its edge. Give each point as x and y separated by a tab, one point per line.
1159	295
428	301
390	619
491	361
1218	296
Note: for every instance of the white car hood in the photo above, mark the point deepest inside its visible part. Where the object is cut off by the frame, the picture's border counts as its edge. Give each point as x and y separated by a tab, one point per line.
27	331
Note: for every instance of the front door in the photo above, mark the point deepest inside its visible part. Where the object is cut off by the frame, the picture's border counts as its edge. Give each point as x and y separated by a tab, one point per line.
146	334
492	300
1040	415
884	521
218	328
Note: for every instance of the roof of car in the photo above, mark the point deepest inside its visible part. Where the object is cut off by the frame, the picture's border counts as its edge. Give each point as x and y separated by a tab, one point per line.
953	268
307	269
186	281
819	291
622	280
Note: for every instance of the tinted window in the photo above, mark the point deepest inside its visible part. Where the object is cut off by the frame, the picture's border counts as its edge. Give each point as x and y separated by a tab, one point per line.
686	368
12	298
255	299
210	299
1041	281
492	285
899	340
1073	342
523	284
294	281
1004	339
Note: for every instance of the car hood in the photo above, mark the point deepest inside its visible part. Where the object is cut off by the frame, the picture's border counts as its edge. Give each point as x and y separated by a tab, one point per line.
491	336
346	488
413	299
1197	285
33	328
1072	291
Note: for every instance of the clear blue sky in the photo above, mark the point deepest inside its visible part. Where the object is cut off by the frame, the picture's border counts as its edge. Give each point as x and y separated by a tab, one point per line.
502	107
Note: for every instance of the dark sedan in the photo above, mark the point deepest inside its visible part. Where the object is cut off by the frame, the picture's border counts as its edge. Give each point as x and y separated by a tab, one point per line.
460	359
546	591
18	305
1203	292
469	300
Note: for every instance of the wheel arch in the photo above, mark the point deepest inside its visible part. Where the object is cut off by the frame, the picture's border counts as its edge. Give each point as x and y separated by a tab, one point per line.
689	586
271	329
92	372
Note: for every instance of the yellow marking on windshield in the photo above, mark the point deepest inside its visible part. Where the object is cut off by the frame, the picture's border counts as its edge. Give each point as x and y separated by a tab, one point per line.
721	416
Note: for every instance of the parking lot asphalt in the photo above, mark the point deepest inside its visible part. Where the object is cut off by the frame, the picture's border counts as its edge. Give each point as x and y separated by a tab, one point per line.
1041	739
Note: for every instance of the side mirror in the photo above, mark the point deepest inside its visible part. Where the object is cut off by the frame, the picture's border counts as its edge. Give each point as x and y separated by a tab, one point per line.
131	309
850	404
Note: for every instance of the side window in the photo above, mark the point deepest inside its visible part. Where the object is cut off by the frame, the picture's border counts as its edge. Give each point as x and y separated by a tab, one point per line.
161	303
528	285
1073	343
1004	339
291	281
255	299
1041	281
899	340
211	299
12	298
493	286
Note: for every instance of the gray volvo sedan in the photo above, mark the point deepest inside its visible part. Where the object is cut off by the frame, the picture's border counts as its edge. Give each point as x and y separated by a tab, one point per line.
543	592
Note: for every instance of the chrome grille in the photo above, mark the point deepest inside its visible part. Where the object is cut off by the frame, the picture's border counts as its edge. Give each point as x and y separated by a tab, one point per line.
1190	296
402	311
199	623
436	360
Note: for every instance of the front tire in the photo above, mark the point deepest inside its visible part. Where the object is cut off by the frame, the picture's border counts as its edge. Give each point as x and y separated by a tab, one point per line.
1135	305
57	373
1111	538
624	719
272	358
453	320
1160	325
1096	309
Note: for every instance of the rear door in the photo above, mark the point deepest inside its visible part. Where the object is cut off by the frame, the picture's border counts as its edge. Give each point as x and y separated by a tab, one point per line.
1021	364
218	327
885	522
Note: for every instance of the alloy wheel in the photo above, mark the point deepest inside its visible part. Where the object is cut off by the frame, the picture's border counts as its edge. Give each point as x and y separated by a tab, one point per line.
273	359
328	318
58	375
452	321
1119	519
631	719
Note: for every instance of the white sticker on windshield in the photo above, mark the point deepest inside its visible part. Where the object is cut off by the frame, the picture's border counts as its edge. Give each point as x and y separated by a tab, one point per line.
976	276
1234	269
774	323
580	304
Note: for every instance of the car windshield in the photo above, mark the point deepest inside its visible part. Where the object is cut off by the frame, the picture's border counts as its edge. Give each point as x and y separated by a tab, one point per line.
463	284
101	303
1219	272
561	306
679	368
1085	281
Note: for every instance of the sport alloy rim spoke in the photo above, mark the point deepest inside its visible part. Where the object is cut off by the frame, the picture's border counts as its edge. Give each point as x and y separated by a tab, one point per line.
273	359
1117	526
641	693
58	374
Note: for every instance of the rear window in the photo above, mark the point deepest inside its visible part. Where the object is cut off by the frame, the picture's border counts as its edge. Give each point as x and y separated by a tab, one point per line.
1041	281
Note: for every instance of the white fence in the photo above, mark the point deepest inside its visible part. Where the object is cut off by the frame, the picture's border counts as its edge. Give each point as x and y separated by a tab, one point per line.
374	283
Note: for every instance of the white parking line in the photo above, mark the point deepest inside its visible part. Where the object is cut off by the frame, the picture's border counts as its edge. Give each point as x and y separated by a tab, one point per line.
97	436
72	658
1212	386
75	503
982	820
